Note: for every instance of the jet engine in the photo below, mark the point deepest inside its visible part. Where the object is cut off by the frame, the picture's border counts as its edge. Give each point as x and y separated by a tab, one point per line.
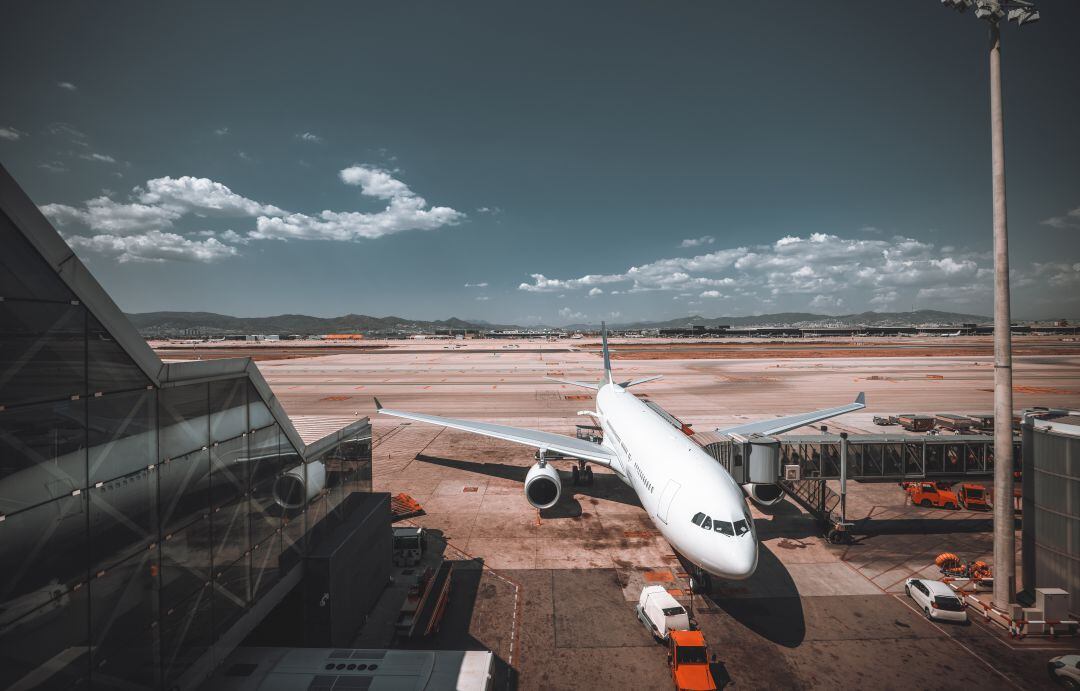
764	494
543	486
294	488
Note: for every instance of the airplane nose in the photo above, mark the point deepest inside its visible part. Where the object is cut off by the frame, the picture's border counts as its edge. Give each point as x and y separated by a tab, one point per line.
744	562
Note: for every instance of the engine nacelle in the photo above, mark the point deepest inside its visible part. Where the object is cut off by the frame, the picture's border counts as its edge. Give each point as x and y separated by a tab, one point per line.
294	488
543	486
764	494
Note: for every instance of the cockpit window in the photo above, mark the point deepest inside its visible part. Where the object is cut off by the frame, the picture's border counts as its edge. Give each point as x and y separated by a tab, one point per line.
741	528
698	518
707	523
723	527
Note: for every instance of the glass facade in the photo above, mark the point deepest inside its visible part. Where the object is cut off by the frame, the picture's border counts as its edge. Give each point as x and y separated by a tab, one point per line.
137	523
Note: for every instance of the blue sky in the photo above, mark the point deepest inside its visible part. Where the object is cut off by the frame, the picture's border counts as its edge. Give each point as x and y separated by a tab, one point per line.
552	162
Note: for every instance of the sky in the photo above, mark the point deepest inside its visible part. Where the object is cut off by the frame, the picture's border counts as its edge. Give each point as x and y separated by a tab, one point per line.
551	162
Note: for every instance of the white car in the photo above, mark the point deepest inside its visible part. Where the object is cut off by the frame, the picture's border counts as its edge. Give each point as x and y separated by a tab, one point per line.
1065	671
936	600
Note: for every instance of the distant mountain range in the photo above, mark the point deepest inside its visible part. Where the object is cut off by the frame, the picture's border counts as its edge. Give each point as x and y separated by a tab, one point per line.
152	324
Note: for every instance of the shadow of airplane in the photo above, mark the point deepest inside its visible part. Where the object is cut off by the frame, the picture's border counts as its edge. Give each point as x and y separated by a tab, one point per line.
605	485
768	604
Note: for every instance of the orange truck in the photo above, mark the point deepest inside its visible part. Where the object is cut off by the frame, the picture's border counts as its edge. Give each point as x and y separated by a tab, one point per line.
930	494
972	497
689	659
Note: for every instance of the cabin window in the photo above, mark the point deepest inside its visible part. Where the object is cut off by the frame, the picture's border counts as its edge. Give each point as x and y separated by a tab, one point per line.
698	518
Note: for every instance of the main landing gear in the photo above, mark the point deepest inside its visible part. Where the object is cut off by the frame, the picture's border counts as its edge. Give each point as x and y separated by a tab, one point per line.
582	474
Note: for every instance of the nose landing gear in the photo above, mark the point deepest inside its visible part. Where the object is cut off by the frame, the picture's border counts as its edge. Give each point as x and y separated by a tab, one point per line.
582	474
700	582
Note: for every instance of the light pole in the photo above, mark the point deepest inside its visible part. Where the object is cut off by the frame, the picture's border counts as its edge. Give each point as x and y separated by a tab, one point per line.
1021	12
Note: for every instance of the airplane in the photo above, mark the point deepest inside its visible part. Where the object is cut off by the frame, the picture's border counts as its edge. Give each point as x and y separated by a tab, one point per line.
696	505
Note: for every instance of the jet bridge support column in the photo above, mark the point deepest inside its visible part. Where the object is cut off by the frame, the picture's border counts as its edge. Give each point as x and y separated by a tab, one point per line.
840	531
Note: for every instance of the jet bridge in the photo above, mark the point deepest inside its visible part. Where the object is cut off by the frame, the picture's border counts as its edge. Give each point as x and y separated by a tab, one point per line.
802	465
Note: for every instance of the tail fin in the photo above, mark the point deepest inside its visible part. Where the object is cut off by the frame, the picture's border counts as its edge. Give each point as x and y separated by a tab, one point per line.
607	355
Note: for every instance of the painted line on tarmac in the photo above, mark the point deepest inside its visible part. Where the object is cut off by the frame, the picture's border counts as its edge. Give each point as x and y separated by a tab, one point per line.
997	671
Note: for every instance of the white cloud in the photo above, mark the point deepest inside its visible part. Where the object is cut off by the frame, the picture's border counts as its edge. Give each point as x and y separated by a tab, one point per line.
873	230
698	242
1070	220
53	167
125	228
153	246
821	271
482	284
310	138
66	131
103	214
482	298
201	195
221	131
11	134
570	315
67	86
100	158
596	291
405	211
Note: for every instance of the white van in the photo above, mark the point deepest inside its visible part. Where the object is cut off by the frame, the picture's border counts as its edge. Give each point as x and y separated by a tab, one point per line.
661	613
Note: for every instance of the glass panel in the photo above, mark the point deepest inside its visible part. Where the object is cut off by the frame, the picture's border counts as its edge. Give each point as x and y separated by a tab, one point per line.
184	490
831	460
265	562
123	611
894	460
185	562
122	434
812	455
123	518
186	633
954	458
228	500
108	367
23	271
42	453
973	458
43	605
874	462
183	419
913	461
258	414
264	460
855	454
41	351
935	458
228	409
232	593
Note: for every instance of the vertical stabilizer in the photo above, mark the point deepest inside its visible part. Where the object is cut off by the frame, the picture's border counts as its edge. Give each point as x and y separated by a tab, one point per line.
607	355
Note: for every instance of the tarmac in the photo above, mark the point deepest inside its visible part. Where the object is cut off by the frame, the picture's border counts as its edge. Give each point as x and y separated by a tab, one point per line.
552	593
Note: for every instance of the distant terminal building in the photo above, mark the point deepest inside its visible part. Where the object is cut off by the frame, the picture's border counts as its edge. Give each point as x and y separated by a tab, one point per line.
1051	504
343	337
151	513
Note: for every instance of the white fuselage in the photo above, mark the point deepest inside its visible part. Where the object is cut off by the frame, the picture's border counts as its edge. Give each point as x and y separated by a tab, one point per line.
690	498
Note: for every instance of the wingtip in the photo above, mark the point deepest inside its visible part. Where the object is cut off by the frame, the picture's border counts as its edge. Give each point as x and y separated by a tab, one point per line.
378	406
861	398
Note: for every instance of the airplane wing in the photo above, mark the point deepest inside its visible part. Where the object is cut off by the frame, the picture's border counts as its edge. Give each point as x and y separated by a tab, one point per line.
784	424
582	384
567	446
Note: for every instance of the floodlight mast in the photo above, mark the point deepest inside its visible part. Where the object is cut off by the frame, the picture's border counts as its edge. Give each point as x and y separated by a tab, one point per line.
1021	12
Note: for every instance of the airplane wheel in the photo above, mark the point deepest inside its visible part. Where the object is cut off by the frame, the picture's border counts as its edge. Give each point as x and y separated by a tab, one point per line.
576	475
588	476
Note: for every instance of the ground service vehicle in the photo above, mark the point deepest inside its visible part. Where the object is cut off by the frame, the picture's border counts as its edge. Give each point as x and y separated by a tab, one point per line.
660	612
1064	671
689	660
408	545
972	497
936	600
929	494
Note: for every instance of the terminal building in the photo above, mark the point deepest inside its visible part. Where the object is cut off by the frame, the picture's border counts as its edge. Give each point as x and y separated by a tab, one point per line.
151	513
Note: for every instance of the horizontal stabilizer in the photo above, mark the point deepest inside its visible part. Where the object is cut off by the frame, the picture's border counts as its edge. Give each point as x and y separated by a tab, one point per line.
582	384
635	382
785	424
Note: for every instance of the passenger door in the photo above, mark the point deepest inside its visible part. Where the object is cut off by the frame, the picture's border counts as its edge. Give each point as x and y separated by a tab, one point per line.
670	490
